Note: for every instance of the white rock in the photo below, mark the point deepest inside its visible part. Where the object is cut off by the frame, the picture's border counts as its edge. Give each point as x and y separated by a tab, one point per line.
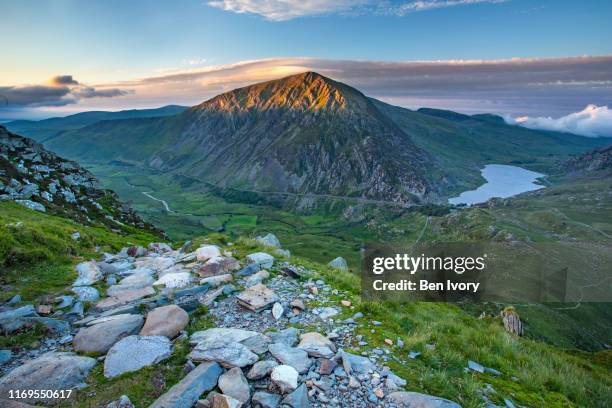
89	273
174	280
205	252
261	258
285	377
277	311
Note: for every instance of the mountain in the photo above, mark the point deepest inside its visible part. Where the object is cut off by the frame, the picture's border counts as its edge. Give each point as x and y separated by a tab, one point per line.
42	130
595	163
308	134
40	180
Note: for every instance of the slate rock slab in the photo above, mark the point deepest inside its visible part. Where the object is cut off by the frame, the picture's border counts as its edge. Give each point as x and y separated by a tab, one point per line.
165	321
257	297
291	356
134	352
201	379
403	399
100	335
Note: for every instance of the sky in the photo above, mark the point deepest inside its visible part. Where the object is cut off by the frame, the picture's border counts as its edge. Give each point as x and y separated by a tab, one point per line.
519	58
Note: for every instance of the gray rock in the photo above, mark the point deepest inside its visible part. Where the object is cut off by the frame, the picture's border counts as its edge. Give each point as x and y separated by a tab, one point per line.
257	298
55	325
14	300
32	205
261	369
405	399
356	364
234	384
282	252
298	398
65	301
23	311
256	278
269	240
474	366
288	336
51	371
86	293
88	274
266	400
260	258
77	309
5	356
339	263
317	345
225	401
258	344
122	402
201	379
227	354
221	335
165	321
327	312
294	357
134	352
285	378
102	334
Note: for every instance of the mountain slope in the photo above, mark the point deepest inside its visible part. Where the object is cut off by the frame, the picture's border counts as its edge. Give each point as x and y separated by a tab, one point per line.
42	130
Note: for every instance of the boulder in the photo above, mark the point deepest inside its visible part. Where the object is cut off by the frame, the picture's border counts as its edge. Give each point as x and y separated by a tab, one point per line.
165	321
356	364
174	280
124	297
51	371
122	402
231	354
269	240
339	263
221	335
288	336
101	334
233	383
23	311
218	280
134	352
261	369
156	263
294	357
205	252
225	401
258	344
88	274
266	400
317	345
218	265
260	258
201	379
257	298
57	326
403	399
256	278
285	377
298	398
86	293
159	247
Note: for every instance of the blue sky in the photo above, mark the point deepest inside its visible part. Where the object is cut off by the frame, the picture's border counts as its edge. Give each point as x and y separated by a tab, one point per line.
117	44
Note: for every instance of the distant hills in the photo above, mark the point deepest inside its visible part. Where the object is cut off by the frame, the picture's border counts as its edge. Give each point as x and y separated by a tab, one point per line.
308	134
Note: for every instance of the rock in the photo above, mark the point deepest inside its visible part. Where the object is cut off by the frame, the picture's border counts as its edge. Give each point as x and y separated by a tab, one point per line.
353	382
327	312
23	311
14	404
64	301
413	354
345	303
282	252
5	356
122	402
356	364
233	383
258	344
75	236
388	342
474	366
288	336
294	357
57	326
44	309
89	273
14	300
285	377
261	369
317	345
174	280
403	399
32	205
205	252
298	398
327	366
165	321
277	311
155	263
298	304
256	278
86	293
201	379
77	309
512	321
159	247
218	265
339	263
218	280
269	240
261	258
136	251
134	352
266	400
257	298
99	336
124	297
221	335
225	401
51	371
230	354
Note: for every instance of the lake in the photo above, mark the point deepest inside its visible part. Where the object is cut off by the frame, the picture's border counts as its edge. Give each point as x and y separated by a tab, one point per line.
502	181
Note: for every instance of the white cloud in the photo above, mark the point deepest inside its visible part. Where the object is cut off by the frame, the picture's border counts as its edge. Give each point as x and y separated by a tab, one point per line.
592	121
282	10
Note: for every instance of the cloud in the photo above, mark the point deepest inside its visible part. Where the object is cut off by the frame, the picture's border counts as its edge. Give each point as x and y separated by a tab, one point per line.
592	121
62	90
282	10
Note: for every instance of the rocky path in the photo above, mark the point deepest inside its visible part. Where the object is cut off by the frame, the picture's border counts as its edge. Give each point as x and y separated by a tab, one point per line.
280	336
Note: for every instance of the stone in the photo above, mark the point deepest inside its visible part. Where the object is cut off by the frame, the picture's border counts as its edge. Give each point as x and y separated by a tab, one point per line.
282	252
159	247
388	342
266	400
288	336
291	356
269	240
327	312
64	301
44	309
124	297
205	252
285	378
345	303
327	366
256	278
23	311
5	356
474	366
165	321
277	311
221	335
155	263
258	344
353	382
356	364
298	398
136	251
339	263
100	335
75	236
134	352
413	354
32	205
231	354
174	280
225	401
257	298
262	259
298	304
403	399
50	371
218	265
317	345
88	274
261	369
86	293
512	321
14	300
57	326
218	280
186	392
122	402
234	384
